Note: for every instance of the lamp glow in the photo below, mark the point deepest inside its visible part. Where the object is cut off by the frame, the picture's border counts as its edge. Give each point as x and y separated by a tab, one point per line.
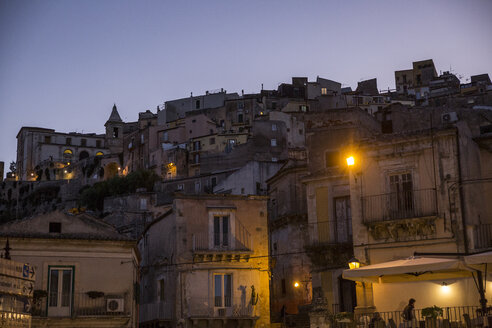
350	161
296	284
445	288
354	263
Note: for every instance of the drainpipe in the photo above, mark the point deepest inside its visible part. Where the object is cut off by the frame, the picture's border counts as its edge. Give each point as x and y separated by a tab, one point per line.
460	190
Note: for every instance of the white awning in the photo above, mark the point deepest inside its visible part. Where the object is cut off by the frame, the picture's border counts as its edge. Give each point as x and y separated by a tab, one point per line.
410	269
481	258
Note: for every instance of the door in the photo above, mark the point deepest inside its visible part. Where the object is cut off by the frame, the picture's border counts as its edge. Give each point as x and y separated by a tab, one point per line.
60	292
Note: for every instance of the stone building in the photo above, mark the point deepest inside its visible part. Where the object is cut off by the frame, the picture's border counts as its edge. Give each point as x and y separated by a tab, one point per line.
86	272
422	191
330	137
44	154
291	285
205	264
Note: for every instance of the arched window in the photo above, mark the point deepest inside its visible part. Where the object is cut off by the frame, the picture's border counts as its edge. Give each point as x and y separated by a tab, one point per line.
99	153
83	154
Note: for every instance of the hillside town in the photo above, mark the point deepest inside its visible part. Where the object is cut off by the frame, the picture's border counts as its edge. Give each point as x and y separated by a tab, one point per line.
310	205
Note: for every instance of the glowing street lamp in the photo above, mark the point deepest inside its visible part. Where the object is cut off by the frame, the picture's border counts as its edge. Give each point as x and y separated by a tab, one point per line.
296	284
354	263
350	161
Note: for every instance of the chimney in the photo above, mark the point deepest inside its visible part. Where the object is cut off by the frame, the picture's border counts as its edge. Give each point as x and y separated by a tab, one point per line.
206	93
191	94
221	89
262	87
242	92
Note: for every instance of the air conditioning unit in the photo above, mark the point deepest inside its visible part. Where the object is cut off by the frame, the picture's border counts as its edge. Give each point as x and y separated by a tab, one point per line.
450	117
115	305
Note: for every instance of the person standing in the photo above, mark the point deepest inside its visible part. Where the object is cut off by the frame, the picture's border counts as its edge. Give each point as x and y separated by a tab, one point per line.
408	313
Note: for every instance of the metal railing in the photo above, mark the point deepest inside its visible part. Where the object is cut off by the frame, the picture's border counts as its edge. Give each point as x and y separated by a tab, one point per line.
482	236
239	241
399	205
453	317
331	232
81	304
235	307
156	311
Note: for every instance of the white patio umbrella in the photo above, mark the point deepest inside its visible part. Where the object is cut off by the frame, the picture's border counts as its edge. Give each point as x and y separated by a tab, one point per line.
409	269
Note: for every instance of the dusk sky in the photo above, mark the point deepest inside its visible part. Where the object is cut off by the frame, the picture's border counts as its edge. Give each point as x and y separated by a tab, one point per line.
64	63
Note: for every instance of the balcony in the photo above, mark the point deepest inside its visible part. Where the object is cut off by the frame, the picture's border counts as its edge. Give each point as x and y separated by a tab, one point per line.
233	308
83	305
399	205
482	236
156	311
220	247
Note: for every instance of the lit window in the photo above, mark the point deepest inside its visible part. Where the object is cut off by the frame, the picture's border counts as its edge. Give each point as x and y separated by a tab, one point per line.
274	127
324	91
273	142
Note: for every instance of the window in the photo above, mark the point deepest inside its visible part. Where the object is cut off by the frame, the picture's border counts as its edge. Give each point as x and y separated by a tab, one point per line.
324	91
303	108
211	141
47	139
404	78
55	227
221	231
197	186
115	132
142	139
401	195
332	158
68	141
240	118
343	219
240	105
60	291
181	186
196	145
165	136
162	290
143	204
274	159
213	181
83	142
273	142
223	290
197	104
98	143
274	105
196	159
274	127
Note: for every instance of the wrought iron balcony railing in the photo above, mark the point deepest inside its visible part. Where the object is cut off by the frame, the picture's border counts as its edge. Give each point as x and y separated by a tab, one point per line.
222	307
81	304
399	205
239	241
156	311
482	236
